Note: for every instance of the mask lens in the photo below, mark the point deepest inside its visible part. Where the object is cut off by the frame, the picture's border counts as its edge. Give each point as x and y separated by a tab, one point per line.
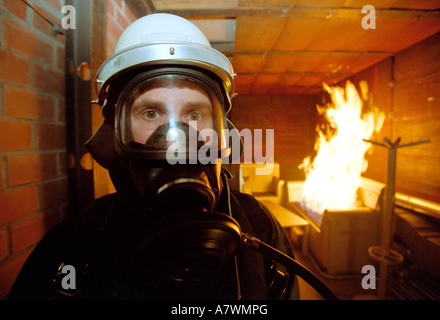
171	117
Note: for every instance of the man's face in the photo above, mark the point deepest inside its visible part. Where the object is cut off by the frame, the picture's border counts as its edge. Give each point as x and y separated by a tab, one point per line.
160	105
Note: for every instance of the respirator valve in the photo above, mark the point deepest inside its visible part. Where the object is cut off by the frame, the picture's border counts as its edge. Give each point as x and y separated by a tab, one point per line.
188	246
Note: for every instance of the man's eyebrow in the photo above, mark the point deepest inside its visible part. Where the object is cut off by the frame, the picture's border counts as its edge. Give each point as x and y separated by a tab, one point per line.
198	104
148	102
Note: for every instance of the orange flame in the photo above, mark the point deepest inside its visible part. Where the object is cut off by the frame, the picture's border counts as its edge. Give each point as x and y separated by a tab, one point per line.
332	179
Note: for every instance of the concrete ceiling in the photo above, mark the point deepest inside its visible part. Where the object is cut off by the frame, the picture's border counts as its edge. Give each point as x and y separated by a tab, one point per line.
293	46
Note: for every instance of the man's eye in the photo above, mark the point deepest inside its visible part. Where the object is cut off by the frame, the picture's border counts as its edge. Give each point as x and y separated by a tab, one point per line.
150	114
194	116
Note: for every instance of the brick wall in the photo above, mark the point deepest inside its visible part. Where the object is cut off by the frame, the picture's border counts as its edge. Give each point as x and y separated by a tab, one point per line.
408	91
33	172
293	119
33	175
118	17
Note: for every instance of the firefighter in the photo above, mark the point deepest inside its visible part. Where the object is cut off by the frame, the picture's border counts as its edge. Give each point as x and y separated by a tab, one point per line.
173	229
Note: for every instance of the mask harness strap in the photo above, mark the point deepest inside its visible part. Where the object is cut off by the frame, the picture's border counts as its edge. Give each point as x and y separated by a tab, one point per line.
225	177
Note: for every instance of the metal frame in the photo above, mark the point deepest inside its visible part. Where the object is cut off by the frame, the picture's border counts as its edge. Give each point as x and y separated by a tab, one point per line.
78	112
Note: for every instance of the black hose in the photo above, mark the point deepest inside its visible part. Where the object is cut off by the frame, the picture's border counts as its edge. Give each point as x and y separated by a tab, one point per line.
292	265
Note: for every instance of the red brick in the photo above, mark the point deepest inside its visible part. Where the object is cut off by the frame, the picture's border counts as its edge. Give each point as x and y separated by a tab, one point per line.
1	174
29	231
9	272
110	8
30	168
27	104
54	4
122	19
51	136
18	203
18	8
4	244
48	80
15	135
14	68
42	25
119	4
129	14
113	29
18	37
53	193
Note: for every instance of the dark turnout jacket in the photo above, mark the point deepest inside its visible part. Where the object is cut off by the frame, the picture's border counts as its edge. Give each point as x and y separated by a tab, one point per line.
96	243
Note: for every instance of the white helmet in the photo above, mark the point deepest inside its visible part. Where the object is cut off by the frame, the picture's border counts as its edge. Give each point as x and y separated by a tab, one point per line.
164	39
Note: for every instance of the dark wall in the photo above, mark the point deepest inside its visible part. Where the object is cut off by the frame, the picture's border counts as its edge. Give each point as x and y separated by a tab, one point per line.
406	87
293	119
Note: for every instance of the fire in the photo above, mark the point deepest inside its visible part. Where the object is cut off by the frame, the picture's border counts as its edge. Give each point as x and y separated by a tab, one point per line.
332	179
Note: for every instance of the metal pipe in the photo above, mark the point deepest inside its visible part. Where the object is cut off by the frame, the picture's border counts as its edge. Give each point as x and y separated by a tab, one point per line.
385	254
387	219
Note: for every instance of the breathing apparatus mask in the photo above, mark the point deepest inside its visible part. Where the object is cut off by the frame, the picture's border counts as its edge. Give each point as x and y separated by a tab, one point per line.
171	126
170	130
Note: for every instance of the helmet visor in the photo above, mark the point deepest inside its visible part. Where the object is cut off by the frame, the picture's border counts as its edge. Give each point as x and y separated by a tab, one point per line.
173	117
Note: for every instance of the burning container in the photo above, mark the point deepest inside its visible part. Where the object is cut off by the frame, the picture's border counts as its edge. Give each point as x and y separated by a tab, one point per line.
338	241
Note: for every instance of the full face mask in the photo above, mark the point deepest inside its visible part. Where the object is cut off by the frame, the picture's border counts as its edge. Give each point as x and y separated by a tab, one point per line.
170	128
